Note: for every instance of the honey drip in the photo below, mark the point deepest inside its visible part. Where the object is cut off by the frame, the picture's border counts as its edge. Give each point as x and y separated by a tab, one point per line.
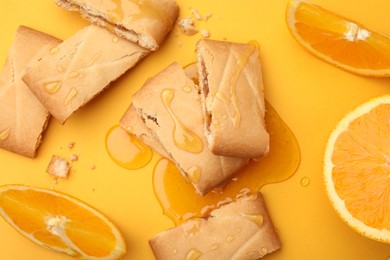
4	134
193	254
71	95
183	137
52	87
53	50
179	200
126	150
232	106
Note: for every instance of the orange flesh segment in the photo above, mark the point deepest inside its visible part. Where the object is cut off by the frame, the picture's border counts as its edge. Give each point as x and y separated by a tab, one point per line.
84	229
326	33
362	180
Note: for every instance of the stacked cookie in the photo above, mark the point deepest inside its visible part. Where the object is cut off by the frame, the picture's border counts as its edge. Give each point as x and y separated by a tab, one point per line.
210	130
44	76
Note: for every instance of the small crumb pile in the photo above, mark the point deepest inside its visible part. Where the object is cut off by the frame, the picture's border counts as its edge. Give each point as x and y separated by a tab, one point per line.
188	26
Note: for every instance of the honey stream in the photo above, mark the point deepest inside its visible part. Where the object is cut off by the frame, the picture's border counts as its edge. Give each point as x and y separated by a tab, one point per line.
179	200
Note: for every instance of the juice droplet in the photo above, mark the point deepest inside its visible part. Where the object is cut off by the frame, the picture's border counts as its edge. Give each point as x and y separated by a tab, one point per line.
183	137
305	181
193	254
72	93
174	251
52	87
53	50
264	250
177	197
4	134
115	39
126	150
229	238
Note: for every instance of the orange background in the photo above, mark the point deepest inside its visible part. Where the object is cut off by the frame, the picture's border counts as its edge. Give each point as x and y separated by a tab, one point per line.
310	95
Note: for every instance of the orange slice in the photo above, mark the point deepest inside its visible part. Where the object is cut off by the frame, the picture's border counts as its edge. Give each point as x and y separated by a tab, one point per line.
338	40
357	169
60	222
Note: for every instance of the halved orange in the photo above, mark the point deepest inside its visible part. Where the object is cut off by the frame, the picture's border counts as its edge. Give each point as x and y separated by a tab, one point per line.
60	222
338	40
357	169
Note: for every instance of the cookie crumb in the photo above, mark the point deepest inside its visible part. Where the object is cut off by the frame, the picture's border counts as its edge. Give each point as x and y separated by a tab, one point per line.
205	33
71	145
207	16
74	157
93	167
196	14
187	26
58	167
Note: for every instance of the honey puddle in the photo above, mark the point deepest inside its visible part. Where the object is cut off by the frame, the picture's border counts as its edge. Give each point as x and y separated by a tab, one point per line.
179	200
126	150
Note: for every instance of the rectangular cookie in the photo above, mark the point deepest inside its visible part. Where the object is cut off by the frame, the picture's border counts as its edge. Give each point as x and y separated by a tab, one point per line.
145	22
170	106
23	118
232	96
242	229
80	68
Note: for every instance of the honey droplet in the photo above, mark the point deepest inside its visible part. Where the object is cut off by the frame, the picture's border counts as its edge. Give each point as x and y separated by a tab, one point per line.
177	197
193	254
187	89
53	50
52	87
194	174
229	238
74	74
126	150
60	69
214	247
258	219
72	93
184	138
4	134
115	39
305	181
264	250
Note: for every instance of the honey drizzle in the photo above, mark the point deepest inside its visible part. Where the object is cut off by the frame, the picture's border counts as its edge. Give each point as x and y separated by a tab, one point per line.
146	9
72	93
241	63
183	137
178	198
